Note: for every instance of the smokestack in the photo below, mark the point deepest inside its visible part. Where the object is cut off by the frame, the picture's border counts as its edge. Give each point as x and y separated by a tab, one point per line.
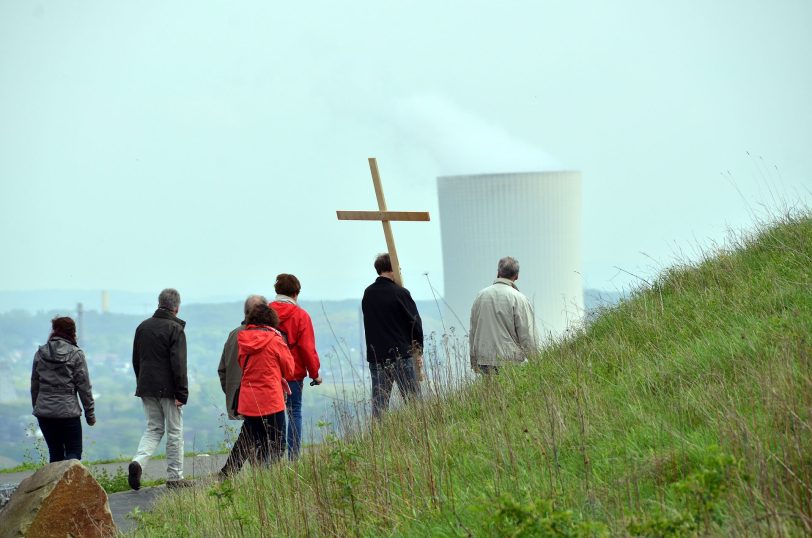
80	322
534	217
105	307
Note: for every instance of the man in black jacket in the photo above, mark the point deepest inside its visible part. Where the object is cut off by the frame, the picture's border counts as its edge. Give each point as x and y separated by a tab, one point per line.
159	363
394	337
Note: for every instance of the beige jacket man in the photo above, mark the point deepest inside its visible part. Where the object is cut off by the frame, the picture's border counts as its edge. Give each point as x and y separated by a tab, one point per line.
502	322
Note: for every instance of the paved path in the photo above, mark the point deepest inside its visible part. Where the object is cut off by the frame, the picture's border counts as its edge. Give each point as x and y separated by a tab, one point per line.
124	502
200	465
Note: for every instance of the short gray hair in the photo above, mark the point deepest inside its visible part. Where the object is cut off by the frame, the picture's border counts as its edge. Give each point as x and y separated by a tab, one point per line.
508	267
252	301
169	299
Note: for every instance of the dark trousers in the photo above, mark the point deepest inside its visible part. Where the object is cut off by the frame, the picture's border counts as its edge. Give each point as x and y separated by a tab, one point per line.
63	437
384	375
261	441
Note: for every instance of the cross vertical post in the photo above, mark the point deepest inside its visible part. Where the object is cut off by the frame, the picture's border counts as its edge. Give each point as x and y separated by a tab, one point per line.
386	217
387	225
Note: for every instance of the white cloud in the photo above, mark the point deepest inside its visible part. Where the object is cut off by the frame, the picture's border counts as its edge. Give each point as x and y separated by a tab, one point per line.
464	143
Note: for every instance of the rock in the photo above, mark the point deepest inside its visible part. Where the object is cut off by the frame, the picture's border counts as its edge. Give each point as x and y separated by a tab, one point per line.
61	500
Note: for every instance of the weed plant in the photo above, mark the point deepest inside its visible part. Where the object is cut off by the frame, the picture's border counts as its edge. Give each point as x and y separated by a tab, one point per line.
116	481
686	410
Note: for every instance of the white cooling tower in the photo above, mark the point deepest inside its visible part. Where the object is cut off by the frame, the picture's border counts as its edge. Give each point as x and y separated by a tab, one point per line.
534	217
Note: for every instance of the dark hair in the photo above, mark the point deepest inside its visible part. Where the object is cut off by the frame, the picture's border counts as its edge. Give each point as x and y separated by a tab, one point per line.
64	327
287	284
263	314
383	264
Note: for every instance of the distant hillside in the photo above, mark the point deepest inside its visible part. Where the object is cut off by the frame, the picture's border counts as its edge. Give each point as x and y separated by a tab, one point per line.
107	341
141	303
682	411
65	301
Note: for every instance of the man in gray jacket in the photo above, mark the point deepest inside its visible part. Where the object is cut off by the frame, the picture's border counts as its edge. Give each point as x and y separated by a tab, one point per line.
502	325
230	375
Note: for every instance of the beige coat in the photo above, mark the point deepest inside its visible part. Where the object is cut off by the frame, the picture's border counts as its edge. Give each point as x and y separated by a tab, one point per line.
502	325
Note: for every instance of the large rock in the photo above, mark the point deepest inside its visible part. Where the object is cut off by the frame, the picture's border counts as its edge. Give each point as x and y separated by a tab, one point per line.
61	500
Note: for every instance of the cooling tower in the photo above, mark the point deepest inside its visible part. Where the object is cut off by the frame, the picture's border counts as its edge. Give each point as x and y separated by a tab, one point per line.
534	217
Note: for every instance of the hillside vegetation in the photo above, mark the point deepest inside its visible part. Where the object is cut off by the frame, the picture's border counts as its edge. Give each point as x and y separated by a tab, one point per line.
685	410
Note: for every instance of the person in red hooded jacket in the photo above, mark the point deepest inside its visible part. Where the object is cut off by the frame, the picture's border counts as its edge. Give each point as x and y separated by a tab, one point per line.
295	322
266	361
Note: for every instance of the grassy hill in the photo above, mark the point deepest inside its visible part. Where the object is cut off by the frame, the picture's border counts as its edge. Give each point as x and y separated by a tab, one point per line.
685	410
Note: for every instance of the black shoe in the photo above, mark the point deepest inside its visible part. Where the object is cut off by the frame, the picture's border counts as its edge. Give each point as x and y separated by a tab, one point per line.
134	475
182	483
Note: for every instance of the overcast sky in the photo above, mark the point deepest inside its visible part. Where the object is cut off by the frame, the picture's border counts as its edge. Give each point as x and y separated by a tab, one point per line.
206	146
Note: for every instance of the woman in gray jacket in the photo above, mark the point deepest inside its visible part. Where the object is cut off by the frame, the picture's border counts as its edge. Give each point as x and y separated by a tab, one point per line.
58	375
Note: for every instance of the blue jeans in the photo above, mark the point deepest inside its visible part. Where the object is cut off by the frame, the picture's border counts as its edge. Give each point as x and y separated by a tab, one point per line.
384	375
295	419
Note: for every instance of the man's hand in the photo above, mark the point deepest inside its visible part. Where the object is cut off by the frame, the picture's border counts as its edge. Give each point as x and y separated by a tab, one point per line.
91	420
420	370
316	381
178	403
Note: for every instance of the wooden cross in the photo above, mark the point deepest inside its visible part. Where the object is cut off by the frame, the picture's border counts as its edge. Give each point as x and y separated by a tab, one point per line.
386	217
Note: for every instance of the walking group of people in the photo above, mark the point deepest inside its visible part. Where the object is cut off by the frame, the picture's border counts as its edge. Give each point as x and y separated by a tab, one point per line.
262	369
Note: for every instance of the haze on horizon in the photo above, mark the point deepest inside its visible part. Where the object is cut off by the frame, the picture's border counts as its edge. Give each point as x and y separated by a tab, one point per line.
145	145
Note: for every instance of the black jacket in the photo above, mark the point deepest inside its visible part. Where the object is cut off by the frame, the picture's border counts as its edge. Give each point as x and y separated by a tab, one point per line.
159	357
391	321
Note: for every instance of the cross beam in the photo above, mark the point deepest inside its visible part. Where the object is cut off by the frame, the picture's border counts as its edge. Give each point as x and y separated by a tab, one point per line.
385	217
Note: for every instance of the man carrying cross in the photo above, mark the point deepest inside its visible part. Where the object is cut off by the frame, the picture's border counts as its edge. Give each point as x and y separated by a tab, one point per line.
394	337
394	332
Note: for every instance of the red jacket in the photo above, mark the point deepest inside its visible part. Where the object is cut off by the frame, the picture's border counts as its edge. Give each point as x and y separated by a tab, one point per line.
298	327
269	361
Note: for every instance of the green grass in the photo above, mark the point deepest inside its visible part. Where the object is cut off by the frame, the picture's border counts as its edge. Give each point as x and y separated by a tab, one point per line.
684	411
25	466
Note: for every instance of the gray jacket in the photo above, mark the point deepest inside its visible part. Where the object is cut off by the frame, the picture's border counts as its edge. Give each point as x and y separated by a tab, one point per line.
58	375
502	325
229	371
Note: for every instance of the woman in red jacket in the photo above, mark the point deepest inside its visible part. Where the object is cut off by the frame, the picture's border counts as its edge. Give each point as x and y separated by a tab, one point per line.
265	361
297	326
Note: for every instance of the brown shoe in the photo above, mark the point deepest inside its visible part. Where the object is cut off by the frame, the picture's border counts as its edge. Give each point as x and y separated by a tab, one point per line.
134	475
182	483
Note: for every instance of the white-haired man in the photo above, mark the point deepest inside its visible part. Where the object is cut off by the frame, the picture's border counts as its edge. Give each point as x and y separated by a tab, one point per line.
502	324
159	363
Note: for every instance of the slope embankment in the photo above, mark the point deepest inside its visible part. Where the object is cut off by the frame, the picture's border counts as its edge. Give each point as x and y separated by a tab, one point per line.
685	410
